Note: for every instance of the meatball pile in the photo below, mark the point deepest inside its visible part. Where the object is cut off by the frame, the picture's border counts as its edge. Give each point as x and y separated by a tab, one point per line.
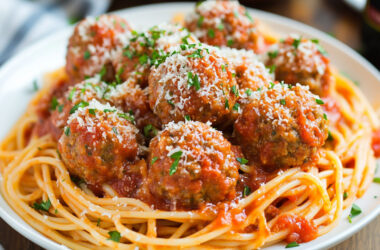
181	124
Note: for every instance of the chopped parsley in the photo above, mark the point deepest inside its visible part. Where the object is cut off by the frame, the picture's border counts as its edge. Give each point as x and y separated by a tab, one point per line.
148	129
319	47
196	54
248	92
330	136
242	160
200	21
67	131
44	205
91	111
234	90
211	33
154	159
296	43
54	103
272	68
282	101
114	236
143	59
127	117
71	94
86	55
236	106
102	72
176	157
171	103
98	222
114	129
109	110
355	211
193	80
60	108
319	101
187	118
249	16
230	42
35	85
246	191
345	195
292	244
273	54
376	180
226	104
82	104
271	85
325	116
220	26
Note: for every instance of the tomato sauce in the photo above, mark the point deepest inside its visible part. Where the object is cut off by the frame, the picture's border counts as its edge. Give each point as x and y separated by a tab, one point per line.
300	229
376	142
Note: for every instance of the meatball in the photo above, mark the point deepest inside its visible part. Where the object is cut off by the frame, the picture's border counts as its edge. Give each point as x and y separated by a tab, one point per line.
92	45
99	144
225	23
282	126
195	82
146	49
299	60
250	74
191	164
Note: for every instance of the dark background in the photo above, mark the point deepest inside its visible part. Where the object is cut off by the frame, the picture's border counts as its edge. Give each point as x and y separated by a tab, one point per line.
330	16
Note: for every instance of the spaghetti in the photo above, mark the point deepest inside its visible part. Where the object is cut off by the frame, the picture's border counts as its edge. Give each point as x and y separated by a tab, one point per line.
38	186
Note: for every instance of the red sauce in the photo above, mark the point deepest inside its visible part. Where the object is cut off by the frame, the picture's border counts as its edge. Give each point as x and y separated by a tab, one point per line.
301	230
376	142
332	109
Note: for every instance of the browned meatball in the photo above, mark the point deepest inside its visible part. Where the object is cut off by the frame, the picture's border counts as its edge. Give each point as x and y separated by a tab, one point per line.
283	126
225	23
99	144
299	60
191	164
195	82
92	45
250	75
146	49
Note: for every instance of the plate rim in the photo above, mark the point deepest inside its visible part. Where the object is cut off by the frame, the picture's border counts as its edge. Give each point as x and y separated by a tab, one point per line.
43	241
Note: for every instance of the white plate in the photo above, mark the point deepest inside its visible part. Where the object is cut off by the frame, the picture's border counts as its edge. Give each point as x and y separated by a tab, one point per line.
17	75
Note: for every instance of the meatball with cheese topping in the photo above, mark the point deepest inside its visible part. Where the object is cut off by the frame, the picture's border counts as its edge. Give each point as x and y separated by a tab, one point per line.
225	23
282	126
251	75
75	97
299	60
99	144
193	83
148	48
191	164
92	45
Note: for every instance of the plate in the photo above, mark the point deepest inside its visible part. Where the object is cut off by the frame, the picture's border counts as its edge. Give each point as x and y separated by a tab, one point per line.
18	74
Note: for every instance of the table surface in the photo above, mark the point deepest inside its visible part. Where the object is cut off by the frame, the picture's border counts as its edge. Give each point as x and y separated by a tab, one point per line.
330	16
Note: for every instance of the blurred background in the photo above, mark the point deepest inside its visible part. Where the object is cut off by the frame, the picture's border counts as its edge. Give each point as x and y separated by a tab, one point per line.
354	22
